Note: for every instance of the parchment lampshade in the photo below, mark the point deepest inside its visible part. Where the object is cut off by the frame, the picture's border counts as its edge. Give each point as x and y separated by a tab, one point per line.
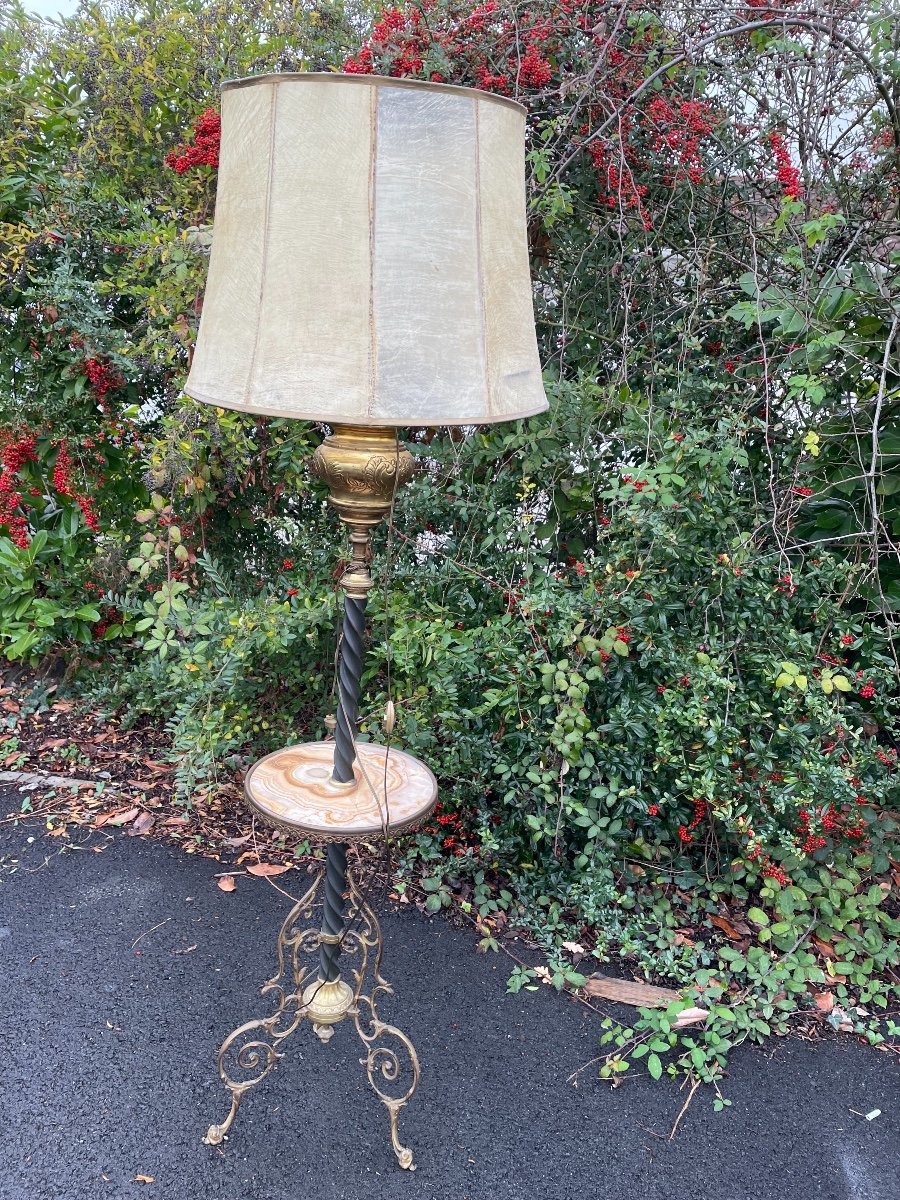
369	259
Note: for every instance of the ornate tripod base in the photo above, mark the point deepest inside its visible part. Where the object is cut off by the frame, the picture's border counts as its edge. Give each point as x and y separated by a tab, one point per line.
249	1053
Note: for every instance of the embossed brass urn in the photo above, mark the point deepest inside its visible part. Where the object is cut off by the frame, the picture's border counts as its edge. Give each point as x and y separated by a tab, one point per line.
369	272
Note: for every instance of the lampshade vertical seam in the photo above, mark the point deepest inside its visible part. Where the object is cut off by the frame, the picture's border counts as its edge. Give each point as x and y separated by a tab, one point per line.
479	260
373	163
267	221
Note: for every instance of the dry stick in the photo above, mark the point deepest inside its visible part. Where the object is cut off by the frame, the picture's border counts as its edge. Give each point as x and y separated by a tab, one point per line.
684	1108
35	812
575	1074
146	931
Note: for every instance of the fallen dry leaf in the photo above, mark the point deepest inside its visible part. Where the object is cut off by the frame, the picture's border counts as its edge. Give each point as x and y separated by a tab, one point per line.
824	948
265	869
145	1179
735	930
727	928
143	824
124	817
226	883
53	743
690	1016
187	949
824	1002
238	841
104	818
140	783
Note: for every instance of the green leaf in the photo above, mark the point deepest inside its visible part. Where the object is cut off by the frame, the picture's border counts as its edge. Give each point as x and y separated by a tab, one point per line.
757	916
87	612
842	683
654	1066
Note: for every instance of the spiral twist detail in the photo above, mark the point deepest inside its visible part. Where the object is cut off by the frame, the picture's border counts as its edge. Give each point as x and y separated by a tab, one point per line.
333	909
349	683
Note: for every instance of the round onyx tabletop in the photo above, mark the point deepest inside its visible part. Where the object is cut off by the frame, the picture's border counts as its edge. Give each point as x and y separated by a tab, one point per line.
391	792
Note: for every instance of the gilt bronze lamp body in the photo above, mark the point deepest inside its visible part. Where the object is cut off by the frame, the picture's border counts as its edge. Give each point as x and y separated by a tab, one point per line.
369	271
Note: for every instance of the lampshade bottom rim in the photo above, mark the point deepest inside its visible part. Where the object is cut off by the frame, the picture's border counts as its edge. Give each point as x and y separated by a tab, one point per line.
367	422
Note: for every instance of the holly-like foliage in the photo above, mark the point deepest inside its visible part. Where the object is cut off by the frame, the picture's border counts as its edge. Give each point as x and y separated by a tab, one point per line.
647	641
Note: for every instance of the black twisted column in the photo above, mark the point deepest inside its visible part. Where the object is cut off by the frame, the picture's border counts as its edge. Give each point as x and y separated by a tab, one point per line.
333	911
349	683
349	676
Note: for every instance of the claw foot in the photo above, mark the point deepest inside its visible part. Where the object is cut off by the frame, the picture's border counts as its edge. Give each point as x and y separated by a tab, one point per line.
216	1134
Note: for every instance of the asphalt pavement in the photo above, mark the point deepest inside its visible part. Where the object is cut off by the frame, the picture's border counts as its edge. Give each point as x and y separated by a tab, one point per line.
124	965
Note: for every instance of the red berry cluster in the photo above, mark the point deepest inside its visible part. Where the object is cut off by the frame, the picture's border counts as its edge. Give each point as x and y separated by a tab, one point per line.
103	378
638	484
838	822
701	808
15	454
62	482
450	828
809	842
679	128
788	175
109	616
62	472
403	40
511	51
204	150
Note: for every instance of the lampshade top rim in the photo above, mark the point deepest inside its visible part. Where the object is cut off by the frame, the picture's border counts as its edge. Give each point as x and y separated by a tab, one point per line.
372	81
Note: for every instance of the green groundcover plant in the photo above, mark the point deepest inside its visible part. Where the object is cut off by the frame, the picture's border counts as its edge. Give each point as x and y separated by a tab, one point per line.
647	641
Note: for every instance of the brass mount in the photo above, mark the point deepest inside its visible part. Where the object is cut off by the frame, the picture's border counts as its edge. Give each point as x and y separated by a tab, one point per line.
363	468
